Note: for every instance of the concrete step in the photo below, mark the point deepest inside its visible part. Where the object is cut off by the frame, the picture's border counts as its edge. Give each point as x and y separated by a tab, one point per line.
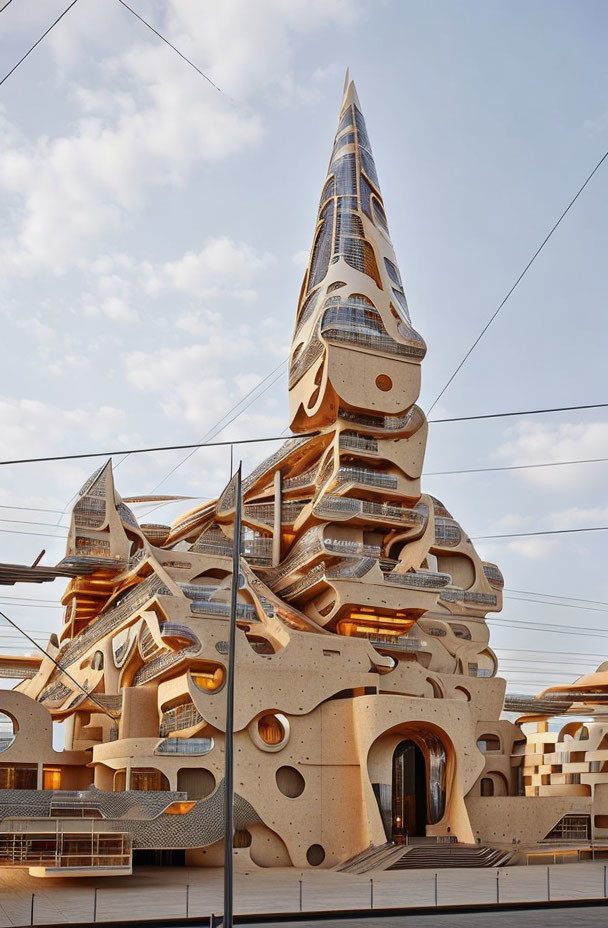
437	857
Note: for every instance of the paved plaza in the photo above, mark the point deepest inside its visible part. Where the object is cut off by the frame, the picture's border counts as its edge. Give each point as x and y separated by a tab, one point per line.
154	892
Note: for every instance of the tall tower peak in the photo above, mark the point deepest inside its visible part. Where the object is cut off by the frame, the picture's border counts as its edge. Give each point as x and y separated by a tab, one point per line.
352	306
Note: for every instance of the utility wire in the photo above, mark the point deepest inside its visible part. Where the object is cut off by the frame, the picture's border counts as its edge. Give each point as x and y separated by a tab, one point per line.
557	531
247	441
31	509
525	412
519	279
43	36
58	665
192	445
221	425
170	44
526	599
486	470
574	599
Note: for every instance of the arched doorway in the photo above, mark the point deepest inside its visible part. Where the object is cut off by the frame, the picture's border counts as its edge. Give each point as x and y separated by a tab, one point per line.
418	786
409	791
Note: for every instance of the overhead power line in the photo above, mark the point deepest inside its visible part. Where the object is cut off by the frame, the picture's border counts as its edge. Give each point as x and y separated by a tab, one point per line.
487	470
537	602
35	45
524	412
171	45
61	669
574	599
151	450
557	531
227	419
193	446
519	279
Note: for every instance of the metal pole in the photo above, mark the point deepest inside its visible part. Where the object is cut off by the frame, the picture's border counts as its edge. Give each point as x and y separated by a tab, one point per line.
604	881
32	910
371	893
548	885
300	882
497	886
187	900
229	755
95	905
436	894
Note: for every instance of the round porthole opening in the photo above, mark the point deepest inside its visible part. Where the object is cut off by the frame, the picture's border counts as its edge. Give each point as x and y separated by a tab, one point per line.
315	855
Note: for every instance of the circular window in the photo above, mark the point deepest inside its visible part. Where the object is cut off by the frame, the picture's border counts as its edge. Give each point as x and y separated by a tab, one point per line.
384	382
290	781
8	731
270	732
315	855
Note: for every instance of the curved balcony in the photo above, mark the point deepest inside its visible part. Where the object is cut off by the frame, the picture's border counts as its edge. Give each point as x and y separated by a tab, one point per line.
244	611
469	597
130	602
447	533
301	481
163	662
409	422
269	463
313	543
365	476
421	580
493	575
351	441
360	324
264	512
179	717
351	507
213	542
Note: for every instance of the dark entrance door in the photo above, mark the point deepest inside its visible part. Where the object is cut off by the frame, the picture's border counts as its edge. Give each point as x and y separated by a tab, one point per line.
409	792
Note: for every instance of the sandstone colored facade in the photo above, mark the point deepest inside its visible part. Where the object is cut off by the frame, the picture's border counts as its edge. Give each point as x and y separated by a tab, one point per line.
368	706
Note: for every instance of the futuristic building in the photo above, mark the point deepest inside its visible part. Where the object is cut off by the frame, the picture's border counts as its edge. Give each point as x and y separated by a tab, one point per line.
368	710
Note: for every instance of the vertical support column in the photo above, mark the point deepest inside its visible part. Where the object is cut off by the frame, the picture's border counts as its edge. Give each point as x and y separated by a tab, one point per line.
278	499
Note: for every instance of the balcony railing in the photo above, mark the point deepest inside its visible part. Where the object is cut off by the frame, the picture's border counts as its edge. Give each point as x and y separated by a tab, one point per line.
333	505
350	441
129	603
422	580
178	718
367	477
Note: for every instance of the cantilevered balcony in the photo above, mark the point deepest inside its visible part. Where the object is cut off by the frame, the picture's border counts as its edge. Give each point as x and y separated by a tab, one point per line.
346	506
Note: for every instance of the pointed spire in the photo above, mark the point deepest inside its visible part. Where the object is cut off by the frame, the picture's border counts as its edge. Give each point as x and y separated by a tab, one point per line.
349	94
352	274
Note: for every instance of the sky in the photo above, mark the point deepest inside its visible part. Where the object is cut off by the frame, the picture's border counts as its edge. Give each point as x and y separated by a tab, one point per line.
154	231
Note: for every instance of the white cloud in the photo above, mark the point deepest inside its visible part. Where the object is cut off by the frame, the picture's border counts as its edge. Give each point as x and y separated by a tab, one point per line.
32	427
531	443
153	122
220	264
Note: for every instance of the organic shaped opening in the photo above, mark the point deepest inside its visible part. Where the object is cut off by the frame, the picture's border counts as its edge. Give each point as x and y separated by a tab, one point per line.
273	729
290	782
209	679
148	779
315	855
196	782
8	731
489	744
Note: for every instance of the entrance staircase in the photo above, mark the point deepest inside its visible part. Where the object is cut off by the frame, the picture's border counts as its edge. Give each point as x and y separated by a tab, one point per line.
439	856
425	854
